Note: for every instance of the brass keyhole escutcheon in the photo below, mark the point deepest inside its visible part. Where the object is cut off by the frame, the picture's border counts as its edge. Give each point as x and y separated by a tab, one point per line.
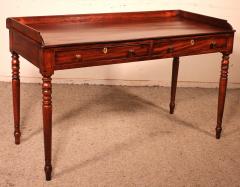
192	42
105	50
170	49
78	57
131	52
213	45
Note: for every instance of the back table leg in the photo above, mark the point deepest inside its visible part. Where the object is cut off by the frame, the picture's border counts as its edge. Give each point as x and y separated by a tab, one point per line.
16	96
222	93
47	124
175	66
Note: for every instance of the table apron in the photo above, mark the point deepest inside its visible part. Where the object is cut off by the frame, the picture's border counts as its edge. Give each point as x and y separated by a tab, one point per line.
123	52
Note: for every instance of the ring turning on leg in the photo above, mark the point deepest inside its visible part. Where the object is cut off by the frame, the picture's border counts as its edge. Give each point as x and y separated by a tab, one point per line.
47	124
16	96
222	93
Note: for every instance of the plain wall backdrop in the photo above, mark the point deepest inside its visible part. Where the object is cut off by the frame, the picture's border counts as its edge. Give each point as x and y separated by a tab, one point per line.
201	70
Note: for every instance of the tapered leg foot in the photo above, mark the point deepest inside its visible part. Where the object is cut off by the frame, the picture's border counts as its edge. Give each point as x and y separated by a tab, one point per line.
17	136
16	96
222	93
172	107
175	67
47	124
218	133
48	172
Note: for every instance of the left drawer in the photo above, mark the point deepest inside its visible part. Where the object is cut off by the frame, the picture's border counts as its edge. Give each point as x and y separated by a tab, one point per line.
101	52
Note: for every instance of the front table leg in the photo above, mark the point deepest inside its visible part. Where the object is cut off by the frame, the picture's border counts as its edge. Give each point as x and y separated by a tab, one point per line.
222	93
47	123
16	96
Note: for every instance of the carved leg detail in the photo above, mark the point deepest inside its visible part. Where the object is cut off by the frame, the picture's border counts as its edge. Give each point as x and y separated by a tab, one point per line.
16	96
47	124
222	93
175	66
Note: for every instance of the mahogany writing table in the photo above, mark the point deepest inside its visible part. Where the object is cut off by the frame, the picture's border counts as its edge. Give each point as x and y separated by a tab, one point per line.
75	41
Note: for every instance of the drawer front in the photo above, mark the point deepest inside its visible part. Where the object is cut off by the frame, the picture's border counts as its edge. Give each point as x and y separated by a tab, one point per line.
189	46
101	53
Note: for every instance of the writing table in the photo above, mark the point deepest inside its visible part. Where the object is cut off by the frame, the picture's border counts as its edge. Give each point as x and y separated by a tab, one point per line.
75	41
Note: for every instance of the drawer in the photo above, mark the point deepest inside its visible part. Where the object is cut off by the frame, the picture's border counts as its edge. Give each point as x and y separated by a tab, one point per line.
101	53
189	46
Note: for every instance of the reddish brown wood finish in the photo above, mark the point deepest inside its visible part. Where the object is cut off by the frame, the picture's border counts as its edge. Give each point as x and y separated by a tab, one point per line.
16	96
74	41
190	46
47	123
26	47
99	53
222	93
75	29
175	66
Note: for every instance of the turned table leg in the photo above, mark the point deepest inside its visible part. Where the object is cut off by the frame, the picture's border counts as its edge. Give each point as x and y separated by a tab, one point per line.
16	96
47	124
175	66
222	93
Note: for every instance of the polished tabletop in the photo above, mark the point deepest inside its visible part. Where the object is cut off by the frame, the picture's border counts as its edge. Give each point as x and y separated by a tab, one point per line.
86	32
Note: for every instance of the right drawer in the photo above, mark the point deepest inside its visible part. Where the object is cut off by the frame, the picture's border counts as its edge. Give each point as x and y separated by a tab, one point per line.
189	46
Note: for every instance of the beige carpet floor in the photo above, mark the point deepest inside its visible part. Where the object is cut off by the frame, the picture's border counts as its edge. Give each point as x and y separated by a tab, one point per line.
121	136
